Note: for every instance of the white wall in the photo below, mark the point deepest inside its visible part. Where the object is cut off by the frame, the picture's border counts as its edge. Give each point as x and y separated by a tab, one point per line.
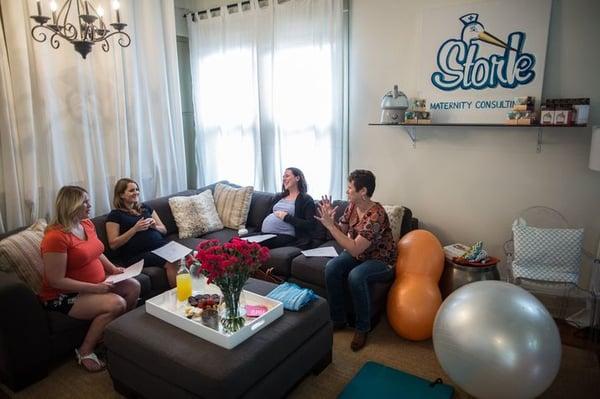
465	184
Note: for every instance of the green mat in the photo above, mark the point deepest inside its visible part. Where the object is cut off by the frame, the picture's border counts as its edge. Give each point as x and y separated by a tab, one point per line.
375	380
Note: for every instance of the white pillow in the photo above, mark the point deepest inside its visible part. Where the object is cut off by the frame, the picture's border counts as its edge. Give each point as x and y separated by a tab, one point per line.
547	254
195	215
395	214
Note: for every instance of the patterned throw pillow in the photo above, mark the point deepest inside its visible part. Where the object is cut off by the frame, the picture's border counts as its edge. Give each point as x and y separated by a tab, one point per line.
195	215
395	214
546	254
233	204
21	253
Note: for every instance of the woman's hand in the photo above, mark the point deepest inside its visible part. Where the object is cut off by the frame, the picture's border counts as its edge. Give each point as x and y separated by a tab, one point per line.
151	223
101	288
325	203
280	214
117	270
142	224
326	214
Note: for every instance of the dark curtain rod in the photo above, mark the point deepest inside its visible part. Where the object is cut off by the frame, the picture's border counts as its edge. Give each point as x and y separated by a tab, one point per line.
229	6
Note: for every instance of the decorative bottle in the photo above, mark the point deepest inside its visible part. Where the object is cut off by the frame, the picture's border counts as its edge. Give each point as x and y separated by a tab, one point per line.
184	282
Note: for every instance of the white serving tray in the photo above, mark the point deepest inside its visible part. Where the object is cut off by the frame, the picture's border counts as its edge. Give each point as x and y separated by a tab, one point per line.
166	307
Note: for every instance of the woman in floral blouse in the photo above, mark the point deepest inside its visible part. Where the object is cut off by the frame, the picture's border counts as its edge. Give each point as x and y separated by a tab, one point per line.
369	251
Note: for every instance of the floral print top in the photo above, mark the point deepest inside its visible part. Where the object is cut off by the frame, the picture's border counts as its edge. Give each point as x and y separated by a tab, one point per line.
375	227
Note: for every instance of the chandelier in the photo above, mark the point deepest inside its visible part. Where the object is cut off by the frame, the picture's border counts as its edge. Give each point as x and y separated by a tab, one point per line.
79	23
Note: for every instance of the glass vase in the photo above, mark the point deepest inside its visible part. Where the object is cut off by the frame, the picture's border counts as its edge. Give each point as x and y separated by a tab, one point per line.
232	319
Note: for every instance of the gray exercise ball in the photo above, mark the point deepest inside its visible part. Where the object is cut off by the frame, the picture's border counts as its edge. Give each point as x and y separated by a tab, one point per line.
496	340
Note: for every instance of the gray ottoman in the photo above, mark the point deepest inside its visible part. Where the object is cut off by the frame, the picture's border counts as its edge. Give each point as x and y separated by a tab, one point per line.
150	358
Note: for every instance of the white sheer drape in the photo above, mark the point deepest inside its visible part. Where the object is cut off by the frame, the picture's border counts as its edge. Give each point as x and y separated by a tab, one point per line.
66	120
268	93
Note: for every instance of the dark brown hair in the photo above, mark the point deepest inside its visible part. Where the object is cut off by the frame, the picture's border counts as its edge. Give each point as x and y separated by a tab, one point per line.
363	178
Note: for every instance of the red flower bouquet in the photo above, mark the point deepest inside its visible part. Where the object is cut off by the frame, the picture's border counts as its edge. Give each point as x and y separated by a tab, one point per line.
229	266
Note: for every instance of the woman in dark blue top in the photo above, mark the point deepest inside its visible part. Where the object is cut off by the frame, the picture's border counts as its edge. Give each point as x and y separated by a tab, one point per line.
135	229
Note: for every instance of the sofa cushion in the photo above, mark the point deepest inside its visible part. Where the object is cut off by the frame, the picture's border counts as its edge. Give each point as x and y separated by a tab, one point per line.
233	204
223	235
195	215
21	253
312	269
100	225
280	260
260	207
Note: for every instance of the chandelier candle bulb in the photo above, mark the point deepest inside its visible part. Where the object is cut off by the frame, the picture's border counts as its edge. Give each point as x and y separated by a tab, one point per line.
53	8
87	11
116	6
39	7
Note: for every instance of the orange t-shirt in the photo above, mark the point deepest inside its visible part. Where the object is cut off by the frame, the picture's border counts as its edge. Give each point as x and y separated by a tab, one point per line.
83	257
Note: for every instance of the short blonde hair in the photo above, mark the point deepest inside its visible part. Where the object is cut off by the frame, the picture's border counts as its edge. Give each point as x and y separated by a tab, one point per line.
69	201
120	188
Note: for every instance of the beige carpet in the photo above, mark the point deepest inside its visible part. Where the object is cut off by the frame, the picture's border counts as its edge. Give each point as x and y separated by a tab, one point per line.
579	375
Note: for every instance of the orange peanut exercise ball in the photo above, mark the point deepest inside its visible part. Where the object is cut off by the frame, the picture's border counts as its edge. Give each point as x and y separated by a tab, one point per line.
415	297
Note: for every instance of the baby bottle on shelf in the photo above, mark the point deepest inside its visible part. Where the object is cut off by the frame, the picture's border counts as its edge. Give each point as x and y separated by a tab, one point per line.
184	282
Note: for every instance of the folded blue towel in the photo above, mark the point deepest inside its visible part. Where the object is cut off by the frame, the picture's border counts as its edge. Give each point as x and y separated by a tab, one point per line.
292	296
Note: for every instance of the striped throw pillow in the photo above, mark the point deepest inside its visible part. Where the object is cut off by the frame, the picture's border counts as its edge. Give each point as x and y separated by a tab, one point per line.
233	204
21	253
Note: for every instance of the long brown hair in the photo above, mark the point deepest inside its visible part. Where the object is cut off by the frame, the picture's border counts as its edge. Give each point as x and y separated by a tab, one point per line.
69	201
119	203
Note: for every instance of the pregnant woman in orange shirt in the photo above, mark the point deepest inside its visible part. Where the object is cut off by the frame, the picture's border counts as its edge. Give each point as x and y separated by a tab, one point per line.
74	273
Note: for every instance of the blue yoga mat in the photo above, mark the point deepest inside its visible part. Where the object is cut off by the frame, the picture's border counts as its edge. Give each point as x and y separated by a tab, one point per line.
375	380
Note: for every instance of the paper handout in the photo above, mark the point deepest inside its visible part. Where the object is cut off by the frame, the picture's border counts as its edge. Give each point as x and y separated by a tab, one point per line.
172	252
258	238
326	252
129	272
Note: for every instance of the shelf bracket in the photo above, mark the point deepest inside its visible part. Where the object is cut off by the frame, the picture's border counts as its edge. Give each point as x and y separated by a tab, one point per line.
539	140
412	133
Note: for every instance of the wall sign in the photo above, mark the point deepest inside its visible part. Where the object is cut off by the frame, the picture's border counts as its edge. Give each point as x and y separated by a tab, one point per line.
476	58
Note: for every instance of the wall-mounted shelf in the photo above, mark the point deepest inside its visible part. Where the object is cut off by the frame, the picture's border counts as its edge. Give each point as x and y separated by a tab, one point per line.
412	133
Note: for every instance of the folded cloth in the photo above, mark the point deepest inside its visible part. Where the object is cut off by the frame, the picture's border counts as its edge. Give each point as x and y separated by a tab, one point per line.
292	296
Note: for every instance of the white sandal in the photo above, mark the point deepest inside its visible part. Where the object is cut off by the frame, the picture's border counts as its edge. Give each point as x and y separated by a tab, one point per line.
92	356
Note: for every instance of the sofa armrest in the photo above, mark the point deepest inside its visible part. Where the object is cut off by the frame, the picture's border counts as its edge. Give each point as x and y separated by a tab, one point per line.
406	222
24	334
414	224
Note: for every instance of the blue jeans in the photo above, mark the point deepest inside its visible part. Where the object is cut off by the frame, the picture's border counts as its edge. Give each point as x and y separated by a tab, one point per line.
346	269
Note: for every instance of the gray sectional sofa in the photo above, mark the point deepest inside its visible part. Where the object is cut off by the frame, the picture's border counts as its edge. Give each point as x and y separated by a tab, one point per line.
31	339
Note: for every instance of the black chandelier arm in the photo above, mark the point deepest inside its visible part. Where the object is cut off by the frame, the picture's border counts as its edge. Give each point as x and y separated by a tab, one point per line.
105	46
124	40
69	31
39	36
54	41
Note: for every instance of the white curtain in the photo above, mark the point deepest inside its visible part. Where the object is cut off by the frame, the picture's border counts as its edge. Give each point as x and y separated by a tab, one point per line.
66	120
268	93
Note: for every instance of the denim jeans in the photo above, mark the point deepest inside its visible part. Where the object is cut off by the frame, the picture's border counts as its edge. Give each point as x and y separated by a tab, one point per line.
345	269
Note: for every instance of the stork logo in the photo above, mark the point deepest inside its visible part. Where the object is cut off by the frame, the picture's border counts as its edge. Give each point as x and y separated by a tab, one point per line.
460	66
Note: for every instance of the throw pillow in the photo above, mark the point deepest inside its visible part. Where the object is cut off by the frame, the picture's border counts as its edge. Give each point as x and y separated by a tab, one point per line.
233	204
395	214
195	215
549	254
21	253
